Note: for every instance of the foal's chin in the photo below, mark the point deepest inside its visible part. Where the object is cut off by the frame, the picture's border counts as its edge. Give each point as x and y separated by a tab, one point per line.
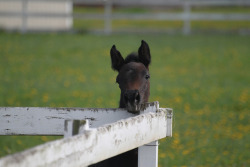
134	108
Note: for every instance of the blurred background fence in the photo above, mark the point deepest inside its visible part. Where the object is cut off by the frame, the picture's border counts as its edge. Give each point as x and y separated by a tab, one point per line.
39	15
116	15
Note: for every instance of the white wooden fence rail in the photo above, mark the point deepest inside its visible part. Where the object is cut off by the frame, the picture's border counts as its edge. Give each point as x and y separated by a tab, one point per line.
50	121
114	128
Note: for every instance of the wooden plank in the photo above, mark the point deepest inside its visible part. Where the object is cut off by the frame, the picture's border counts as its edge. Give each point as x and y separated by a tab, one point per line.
164	3
50	121
94	145
182	16
145	16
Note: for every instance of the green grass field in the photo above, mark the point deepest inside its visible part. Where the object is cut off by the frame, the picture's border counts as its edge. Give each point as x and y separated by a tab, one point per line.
204	78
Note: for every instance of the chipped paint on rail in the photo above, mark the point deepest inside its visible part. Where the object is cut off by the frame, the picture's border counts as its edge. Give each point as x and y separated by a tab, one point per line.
91	146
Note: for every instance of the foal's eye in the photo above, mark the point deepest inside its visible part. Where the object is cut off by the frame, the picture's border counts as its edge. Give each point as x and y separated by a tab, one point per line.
147	77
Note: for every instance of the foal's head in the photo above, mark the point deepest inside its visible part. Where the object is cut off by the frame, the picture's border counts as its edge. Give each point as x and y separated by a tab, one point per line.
133	76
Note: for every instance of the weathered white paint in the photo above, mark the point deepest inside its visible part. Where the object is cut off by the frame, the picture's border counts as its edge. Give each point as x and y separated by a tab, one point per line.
147	154
50	121
95	144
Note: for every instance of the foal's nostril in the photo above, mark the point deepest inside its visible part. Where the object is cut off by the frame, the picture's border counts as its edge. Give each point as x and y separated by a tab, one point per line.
132	99
132	96
137	97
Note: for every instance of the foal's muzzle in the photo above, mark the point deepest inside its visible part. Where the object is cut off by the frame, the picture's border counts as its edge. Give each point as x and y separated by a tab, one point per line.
132	100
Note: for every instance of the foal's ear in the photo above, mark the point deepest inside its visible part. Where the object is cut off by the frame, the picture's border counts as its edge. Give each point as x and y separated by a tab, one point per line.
116	59
144	54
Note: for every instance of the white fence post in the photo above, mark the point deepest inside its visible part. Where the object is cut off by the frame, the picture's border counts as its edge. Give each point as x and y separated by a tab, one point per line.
148	155
108	15
186	24
74	127
24	16
71	128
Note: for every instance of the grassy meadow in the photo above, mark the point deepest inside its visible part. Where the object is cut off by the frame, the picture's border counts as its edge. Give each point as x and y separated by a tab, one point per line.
204	78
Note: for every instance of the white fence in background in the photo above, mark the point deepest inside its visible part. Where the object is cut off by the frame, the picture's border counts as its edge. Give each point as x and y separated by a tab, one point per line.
49	15
186	15
36	15
113	131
